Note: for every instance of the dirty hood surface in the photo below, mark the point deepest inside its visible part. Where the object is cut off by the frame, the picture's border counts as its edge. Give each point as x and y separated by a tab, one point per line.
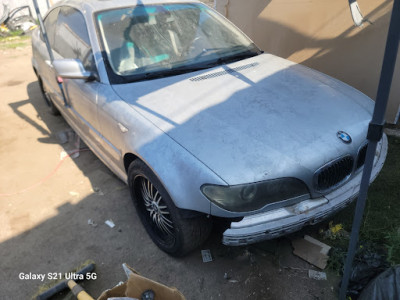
256	119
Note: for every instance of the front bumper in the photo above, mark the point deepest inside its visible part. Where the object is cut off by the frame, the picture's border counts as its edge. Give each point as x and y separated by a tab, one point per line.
268	225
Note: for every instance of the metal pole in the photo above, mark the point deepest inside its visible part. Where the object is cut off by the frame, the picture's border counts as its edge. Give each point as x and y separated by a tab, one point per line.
49	50
375	132
43	30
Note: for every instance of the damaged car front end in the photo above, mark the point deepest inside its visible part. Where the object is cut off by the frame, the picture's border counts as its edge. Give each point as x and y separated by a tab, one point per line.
280	221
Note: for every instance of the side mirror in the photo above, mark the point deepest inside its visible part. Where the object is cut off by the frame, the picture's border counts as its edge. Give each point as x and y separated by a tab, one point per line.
71	68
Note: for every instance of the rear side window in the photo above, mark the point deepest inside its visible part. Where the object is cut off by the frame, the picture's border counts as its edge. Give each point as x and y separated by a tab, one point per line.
50	25
71	37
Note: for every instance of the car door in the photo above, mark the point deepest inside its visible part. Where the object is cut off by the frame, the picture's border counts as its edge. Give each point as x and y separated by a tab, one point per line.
45	67
72	41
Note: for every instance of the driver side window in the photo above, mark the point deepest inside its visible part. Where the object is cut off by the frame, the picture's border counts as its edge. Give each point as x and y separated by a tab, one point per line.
72	39
50	26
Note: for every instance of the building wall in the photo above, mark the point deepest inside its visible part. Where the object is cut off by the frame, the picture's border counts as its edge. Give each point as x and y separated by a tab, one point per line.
321	34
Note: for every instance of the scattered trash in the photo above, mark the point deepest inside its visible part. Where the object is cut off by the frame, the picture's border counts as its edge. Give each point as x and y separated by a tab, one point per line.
206	255
16	21
27	26
139	287
63	155
312	251
367	265
98	191
69	136
233	281
384	286
72	154
74	194
325	248
110	223
20	18
226	276
317	275
90	222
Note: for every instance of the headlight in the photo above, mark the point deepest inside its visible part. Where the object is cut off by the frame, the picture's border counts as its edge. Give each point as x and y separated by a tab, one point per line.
249	197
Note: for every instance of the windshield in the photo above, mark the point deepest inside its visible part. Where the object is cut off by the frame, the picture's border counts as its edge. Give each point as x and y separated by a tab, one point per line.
159	40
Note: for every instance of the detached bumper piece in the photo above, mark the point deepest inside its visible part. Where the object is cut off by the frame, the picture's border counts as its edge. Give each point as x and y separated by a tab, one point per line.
271	224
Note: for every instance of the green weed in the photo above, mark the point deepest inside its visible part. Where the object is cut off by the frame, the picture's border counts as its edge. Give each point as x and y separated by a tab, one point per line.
381	223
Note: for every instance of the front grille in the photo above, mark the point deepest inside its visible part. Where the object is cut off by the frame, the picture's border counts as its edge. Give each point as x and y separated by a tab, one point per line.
361	156
333	173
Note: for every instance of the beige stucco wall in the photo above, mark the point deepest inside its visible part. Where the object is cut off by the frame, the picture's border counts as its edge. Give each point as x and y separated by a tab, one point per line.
321	34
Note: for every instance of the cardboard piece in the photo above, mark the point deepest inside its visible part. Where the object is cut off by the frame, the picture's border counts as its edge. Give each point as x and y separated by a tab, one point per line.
324	247
138	284
312	251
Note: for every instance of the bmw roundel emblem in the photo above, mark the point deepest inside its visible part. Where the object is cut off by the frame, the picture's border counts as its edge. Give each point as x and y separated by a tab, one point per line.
346	138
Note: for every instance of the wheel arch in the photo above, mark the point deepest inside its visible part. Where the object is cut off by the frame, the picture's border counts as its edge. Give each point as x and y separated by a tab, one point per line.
128	159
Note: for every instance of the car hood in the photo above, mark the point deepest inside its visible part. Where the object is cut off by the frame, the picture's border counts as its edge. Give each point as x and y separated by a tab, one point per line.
256	119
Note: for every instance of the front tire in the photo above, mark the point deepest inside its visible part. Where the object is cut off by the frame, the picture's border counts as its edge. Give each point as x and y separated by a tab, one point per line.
162	220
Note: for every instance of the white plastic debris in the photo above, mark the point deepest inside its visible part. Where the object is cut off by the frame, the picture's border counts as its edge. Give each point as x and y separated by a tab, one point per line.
98	191
63	155
206	255
74	194
316	275
90	222
233	281
110	223
72	154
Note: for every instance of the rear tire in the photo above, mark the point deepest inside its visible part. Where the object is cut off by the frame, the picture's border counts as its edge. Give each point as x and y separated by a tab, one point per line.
162	220
53	110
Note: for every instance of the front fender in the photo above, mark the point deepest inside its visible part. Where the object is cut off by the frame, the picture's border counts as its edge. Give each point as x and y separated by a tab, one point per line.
178	170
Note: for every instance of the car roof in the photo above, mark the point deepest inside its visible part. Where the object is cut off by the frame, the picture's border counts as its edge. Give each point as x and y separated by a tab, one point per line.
98	5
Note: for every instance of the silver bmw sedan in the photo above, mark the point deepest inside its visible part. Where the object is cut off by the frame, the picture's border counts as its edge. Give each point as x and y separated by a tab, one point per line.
199	122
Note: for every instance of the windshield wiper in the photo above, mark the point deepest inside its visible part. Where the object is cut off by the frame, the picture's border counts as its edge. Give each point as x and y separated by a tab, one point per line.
221	51
247	53
233	58
170	72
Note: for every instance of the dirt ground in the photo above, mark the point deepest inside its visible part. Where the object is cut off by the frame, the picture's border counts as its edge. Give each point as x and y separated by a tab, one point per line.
44	227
